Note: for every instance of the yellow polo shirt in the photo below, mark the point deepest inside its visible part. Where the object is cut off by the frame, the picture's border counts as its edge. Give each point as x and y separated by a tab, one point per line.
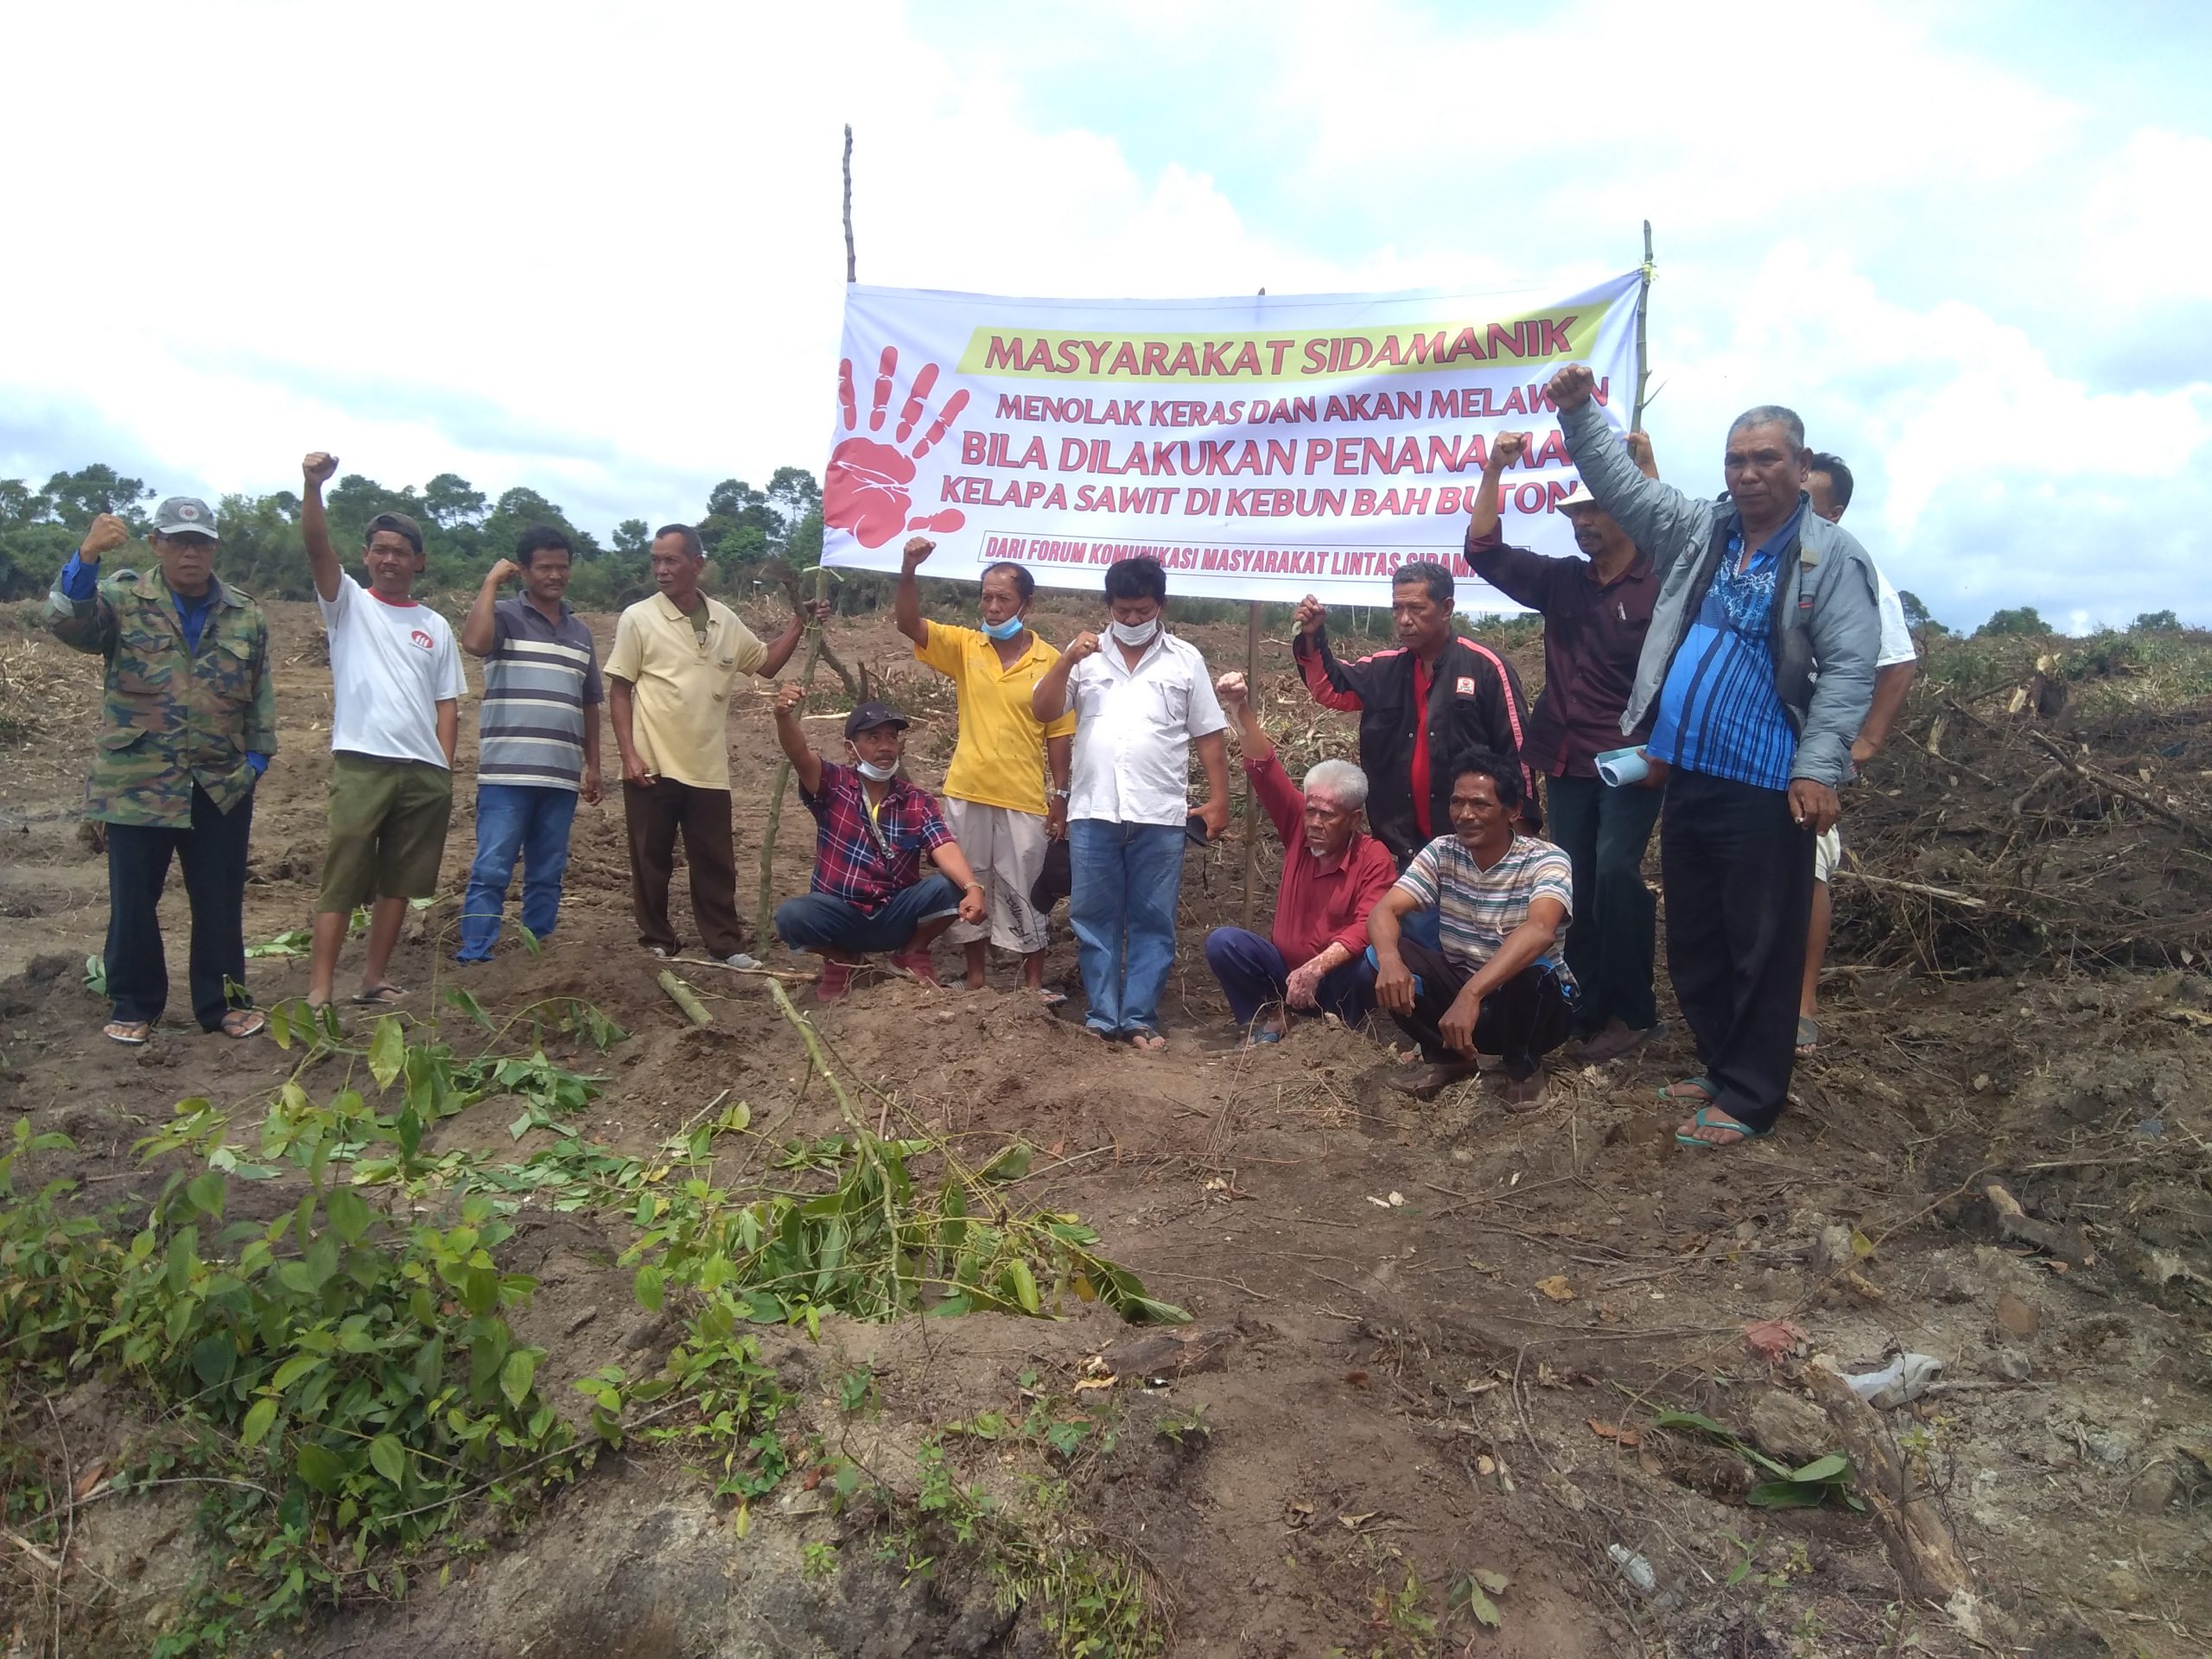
1000	759
680	709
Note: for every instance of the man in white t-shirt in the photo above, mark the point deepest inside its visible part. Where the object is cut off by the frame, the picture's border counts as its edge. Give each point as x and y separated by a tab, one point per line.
396	686
1828	481
1142	700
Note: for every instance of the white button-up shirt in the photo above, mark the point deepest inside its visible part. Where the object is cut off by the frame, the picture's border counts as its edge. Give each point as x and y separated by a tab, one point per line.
1133	730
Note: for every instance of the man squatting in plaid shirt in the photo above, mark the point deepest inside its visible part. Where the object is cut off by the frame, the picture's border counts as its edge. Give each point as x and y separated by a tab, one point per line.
872	828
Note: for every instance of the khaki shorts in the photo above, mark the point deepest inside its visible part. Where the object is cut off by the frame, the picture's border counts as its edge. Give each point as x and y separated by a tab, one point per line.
1005	848
387	830
1828	853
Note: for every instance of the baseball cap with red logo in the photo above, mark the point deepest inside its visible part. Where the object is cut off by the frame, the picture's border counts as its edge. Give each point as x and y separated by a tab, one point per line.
184	515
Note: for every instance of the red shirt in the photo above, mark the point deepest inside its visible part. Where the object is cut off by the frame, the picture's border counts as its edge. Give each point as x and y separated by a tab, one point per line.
1316	906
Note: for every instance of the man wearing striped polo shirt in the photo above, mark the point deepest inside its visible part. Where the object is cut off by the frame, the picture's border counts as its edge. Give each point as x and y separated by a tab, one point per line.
539	746
1498	983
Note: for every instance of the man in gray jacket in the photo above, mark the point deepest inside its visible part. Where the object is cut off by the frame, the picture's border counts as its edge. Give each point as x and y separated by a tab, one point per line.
1758	669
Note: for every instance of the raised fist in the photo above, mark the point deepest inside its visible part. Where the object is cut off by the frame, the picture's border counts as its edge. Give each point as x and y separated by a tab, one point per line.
1084	645
866	488
1572	387
918	550
1639	451
1507	449
107	533
1229	688
1311	613
504	570
318	468
789	695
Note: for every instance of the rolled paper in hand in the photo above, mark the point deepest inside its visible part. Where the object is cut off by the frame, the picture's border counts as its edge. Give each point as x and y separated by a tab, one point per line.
1622	767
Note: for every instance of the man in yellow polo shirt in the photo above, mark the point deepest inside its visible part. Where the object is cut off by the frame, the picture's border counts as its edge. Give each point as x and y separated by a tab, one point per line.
995	796
675	656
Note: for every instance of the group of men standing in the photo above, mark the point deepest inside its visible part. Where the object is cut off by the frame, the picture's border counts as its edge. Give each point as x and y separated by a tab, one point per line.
1733	645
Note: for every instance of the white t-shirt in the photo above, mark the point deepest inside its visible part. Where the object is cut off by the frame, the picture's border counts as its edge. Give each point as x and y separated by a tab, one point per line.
1897	638
1133	731
390	665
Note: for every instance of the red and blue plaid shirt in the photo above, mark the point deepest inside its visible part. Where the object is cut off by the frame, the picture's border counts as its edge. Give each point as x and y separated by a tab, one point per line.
862	863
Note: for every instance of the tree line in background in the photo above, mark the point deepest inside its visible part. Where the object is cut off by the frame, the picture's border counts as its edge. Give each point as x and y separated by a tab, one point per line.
464	530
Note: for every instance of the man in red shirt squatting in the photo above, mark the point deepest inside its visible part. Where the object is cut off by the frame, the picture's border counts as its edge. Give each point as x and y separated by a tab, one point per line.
1422	706
868	894
1597	609
1333	873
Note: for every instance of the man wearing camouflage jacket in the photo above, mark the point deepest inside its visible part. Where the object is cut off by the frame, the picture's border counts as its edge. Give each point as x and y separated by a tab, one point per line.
188	721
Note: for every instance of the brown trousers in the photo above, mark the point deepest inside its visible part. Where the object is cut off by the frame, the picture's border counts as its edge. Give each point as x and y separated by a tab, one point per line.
653	816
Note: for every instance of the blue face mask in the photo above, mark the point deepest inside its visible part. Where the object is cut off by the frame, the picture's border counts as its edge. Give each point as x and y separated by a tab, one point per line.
1005	630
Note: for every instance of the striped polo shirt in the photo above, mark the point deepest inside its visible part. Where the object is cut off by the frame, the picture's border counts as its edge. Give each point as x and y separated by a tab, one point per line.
1476	908
541	684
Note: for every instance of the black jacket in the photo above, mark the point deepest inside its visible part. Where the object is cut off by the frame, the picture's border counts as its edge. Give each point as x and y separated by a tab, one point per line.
1475	702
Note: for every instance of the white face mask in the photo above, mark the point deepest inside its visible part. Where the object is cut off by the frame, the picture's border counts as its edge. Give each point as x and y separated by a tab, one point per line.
873	772
1133	634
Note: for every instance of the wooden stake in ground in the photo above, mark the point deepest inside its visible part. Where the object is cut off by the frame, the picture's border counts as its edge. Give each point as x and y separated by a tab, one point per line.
1252	796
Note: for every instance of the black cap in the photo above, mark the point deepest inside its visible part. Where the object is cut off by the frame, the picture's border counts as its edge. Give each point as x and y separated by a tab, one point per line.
871	714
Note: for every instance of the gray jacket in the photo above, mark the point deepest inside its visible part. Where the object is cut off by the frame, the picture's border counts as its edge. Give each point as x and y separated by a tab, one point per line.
1824	649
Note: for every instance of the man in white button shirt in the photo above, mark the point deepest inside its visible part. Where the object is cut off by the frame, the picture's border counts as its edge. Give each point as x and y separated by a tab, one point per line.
1828	481
1140	699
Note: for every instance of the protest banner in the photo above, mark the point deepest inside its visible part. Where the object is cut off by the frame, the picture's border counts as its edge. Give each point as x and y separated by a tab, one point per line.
1261	448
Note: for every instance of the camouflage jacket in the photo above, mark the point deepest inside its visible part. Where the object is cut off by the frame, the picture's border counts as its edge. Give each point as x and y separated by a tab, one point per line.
171	718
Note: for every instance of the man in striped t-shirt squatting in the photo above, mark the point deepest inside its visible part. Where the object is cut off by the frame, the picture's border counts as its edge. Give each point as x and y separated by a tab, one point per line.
1499	984
539	746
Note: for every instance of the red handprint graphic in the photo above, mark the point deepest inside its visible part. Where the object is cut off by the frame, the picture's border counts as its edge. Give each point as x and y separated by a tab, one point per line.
866	489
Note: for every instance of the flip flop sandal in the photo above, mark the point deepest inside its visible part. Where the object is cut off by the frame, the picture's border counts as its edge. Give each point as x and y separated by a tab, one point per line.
1052	999
1808	1034
1719	1121
1704	1086
243	1023
131	1034
1136	1040
381	996
1262	1038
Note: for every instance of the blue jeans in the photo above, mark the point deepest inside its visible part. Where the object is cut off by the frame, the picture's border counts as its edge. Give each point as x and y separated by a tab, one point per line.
822	921
1126	879
515	819
1253	975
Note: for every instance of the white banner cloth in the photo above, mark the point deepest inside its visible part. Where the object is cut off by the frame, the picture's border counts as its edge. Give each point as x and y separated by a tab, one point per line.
1260	448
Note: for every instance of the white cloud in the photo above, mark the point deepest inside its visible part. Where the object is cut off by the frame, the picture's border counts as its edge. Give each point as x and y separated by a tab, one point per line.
595	249
2146	237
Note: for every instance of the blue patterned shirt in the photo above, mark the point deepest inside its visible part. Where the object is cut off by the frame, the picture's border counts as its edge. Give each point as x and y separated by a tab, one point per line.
1719	712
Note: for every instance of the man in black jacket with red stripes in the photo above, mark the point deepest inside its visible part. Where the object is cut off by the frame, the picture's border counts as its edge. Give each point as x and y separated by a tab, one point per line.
1421	706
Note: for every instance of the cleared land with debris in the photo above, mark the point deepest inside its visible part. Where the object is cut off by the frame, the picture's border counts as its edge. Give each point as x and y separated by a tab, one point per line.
1432	1352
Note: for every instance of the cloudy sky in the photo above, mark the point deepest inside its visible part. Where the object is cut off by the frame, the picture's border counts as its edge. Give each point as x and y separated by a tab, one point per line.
595	249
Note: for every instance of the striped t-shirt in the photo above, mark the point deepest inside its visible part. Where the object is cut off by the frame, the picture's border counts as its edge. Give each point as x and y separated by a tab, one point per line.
541	684
1476	907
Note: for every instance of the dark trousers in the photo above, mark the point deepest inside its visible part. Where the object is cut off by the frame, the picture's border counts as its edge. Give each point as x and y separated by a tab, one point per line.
1253	976
654	817
1522	1021
1737	872
212	851
1610	941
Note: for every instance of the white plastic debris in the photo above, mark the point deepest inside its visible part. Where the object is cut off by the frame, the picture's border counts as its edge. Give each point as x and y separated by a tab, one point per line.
1634	1568
1904	1380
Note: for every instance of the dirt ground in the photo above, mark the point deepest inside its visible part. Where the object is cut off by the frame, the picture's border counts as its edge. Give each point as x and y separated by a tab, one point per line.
1427	1339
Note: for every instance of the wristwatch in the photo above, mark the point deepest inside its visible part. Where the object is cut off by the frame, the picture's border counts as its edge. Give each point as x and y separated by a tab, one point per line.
1057	794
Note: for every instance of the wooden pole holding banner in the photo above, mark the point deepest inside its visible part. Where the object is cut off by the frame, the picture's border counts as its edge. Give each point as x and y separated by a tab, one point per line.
764	913
1252	796
1642	309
